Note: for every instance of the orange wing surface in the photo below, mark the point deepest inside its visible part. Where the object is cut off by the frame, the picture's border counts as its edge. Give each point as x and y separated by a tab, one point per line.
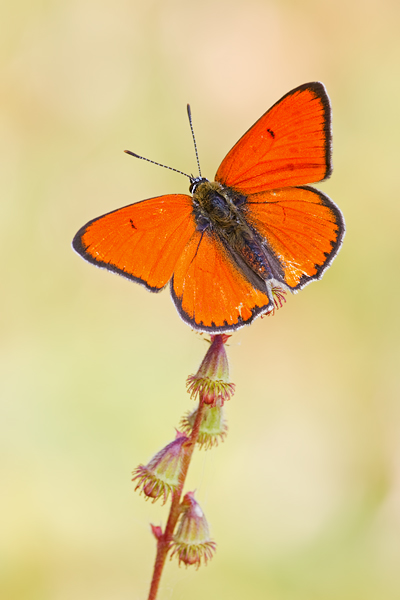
142	241
289	145
301	226
211	292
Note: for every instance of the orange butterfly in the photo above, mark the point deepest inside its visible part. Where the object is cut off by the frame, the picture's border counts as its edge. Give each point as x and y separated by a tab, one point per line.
256	225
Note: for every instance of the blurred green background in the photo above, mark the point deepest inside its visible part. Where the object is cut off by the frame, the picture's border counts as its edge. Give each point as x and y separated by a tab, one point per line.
303	499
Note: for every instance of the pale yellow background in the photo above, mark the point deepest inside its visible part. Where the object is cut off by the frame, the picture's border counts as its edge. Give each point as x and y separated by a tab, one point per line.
304	496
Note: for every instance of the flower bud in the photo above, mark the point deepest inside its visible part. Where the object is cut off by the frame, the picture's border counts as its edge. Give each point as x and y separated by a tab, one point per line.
156	531
160	476
192	543
211	381
213	428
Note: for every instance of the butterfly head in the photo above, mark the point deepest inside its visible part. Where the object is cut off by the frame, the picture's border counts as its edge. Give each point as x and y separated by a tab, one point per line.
195	182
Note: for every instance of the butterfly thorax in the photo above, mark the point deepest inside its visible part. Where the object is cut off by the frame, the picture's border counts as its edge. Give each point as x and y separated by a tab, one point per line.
219	210
215	208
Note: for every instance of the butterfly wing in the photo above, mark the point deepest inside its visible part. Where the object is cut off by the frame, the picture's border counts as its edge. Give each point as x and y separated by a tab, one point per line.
289	145
210	289
300	226
142	241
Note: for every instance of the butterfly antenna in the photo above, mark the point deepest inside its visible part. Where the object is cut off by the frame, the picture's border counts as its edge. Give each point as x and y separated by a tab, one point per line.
189	112
156	163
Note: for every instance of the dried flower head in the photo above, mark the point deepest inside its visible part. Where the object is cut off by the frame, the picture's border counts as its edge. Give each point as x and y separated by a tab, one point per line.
213	428
211	381
192	543
160	476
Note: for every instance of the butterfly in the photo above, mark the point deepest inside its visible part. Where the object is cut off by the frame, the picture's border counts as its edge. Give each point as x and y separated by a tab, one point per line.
258	225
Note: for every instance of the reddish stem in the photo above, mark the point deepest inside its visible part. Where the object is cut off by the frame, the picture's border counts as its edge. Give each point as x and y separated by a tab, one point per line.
164	542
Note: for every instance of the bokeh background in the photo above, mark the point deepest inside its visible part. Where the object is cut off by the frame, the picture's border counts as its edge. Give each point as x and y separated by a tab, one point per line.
304	496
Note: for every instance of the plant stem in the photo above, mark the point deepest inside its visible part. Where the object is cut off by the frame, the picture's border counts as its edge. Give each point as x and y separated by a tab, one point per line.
164	542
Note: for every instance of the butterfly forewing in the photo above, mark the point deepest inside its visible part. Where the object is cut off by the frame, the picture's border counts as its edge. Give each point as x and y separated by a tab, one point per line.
289	145
142	241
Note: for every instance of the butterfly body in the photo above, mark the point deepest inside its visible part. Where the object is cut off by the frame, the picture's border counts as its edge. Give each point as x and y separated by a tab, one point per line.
258	224
220	211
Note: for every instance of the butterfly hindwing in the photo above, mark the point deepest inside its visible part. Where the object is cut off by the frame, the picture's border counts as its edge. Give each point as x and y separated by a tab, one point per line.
289	145
142	241
301	226
209	289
